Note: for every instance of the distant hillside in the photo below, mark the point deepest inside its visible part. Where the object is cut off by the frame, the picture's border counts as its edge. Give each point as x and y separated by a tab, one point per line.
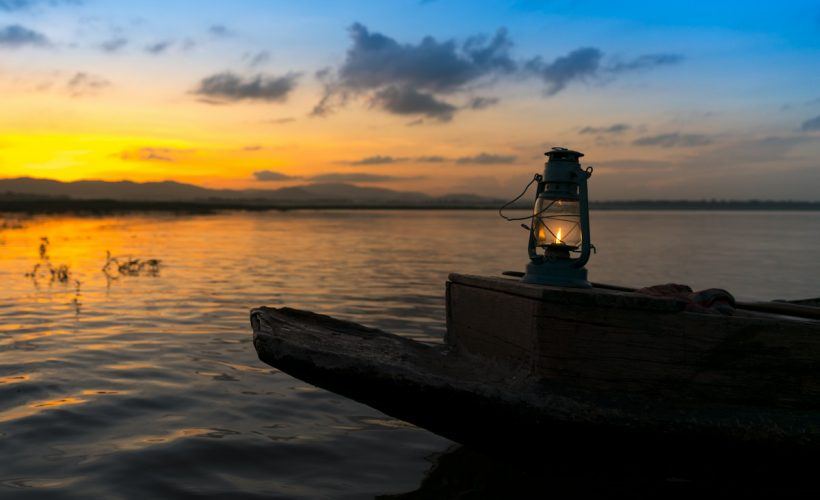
169	191
42	195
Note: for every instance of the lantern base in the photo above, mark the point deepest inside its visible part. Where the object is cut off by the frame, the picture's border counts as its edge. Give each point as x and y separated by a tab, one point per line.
556	274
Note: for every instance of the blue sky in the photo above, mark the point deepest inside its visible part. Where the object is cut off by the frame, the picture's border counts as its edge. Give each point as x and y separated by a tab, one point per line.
669	99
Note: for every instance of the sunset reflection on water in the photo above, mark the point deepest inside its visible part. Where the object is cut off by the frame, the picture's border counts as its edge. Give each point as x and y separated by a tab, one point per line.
139	381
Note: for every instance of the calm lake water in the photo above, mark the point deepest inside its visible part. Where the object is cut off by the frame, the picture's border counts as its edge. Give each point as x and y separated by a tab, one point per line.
149	386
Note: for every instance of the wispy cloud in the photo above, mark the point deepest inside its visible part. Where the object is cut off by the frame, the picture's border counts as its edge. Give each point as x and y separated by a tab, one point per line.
221	31
273	176
811	125
586	64
330	177
376	160
616	128
482	102
674	140
578	65
159	47
84	84
646	61
281	121
486	159
357	177
114	44
17	5
478	159
154	154
230	87
254	59
16	36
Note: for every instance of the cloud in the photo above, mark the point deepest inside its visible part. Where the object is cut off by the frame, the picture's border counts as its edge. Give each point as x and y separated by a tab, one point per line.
585	64
255	59
83	84
281	121
376	60
486	159
114	44
481	158
159	47
772	149
617	128
580	64
376	160
417	78
228	86
16	36
811	125
357	177
430	159
646	61
153	154
408	101
220	30
482	102
17	5
330	177
404	77
674	140
272	176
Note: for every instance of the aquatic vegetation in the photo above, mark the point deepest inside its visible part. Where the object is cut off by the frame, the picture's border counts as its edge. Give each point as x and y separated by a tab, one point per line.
76	300
11	224
127	266
44	269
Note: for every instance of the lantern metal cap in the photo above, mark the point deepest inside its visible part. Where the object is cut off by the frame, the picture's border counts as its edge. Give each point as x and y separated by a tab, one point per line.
557	153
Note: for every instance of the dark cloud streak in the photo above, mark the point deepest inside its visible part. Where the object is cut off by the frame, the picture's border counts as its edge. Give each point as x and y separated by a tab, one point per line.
482	102
84	84
114	44
16	36
616	128
228	86
579	65
479	159
159	47
408	101
18	5
272	176
486	159
811	125
674	140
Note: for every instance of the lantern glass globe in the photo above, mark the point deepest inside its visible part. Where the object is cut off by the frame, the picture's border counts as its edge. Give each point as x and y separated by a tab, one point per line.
557	223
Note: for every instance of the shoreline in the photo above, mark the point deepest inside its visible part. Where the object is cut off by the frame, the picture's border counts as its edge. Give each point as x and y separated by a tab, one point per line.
41	206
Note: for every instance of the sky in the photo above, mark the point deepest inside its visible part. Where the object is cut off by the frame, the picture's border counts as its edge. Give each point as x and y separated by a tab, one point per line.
668	100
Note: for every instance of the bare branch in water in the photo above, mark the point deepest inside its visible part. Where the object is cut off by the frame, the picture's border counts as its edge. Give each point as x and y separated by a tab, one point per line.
127	266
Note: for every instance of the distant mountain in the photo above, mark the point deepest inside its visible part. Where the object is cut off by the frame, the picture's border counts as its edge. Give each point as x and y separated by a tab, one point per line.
170	191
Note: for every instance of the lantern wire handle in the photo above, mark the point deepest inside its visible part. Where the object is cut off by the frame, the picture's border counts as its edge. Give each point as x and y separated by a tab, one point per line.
536	178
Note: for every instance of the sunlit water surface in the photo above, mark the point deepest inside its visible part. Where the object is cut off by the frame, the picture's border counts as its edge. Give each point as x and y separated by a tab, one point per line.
147	386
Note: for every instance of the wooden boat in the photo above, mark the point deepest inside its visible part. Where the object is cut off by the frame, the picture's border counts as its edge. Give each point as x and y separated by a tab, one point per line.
575	370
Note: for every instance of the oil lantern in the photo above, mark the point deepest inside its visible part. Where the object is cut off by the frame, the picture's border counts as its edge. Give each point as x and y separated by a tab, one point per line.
559	244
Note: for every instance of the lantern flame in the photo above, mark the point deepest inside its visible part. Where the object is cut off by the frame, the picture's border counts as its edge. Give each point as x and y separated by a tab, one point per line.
558	236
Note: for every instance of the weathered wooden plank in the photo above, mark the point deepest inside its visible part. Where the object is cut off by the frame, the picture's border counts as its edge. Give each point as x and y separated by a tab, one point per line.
476	401
596	345
578	296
